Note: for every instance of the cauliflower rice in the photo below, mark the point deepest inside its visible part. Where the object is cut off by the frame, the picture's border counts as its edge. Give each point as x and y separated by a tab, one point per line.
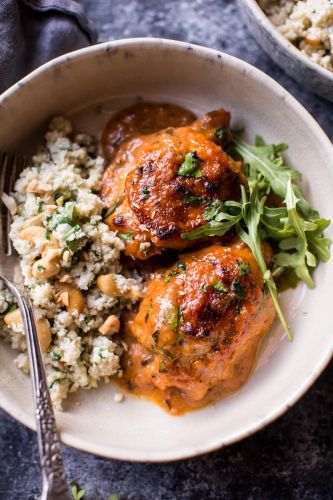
308	24
59	191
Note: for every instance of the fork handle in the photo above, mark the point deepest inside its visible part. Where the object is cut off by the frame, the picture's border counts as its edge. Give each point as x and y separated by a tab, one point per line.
53	474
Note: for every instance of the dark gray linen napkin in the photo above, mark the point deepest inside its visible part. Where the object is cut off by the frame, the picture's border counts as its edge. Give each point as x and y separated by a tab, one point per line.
34	31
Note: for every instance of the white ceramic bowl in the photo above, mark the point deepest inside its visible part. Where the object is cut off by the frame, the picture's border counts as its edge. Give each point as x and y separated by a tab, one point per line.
88	85
285	54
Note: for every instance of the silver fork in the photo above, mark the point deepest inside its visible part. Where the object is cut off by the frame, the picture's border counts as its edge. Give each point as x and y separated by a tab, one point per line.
54	482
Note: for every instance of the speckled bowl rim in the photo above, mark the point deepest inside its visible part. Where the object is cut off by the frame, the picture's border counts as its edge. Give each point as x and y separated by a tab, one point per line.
239	65
282	40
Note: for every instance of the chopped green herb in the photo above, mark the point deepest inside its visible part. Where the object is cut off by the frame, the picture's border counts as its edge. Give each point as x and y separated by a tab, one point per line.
55	356
190	166
243	267
174	317
221	134
55	381
101	353
65	193
163	366
73	243
68	216
125	236
107	212
194	201
220	287
48	233
40	268
11	308
87	319
40	207
144	194
76	257
180	266
238	289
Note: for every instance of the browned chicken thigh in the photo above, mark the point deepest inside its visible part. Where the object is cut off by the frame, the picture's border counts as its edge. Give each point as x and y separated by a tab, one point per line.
160	184
198	328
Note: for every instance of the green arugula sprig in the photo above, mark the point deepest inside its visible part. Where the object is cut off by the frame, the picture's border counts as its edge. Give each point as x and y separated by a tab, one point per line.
294	226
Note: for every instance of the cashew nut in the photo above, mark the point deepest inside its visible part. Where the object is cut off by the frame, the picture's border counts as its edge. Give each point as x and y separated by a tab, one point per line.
35	187
37	236
42	325
110	326
106	283
44	268
71	297
36	220
33	234
44	333
13	318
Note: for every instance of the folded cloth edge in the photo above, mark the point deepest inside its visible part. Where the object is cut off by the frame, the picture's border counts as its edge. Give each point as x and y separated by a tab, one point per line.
69	7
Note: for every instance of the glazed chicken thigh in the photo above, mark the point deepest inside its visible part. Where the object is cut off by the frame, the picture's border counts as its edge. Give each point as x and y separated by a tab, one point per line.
198	328
159	184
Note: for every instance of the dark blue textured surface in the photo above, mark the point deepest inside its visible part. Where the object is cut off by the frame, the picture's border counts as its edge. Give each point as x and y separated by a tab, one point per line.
292	458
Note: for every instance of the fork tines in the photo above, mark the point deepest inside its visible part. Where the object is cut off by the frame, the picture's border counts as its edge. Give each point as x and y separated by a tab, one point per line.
10	166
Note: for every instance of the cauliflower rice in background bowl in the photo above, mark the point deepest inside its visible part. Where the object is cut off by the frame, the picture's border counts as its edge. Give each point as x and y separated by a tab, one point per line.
64	246
298	36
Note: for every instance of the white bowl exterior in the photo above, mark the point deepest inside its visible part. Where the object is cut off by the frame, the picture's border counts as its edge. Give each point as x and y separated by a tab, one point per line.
285	54
109	76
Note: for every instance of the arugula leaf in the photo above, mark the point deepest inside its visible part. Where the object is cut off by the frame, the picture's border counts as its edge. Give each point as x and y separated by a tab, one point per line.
190	166
266	159
301	259
222	216
295	226
252	211
77	491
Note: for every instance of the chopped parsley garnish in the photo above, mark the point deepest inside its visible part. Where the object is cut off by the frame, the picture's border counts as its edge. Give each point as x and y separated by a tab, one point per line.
68	215
174	317
40	268
221	134
11	308
194	201
107	212
55	381
144	194
190	166
181	266
238	289
101	353
55	356
163	365
220	287
243	267
72	242
48	233
125	236
40	207
65	193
